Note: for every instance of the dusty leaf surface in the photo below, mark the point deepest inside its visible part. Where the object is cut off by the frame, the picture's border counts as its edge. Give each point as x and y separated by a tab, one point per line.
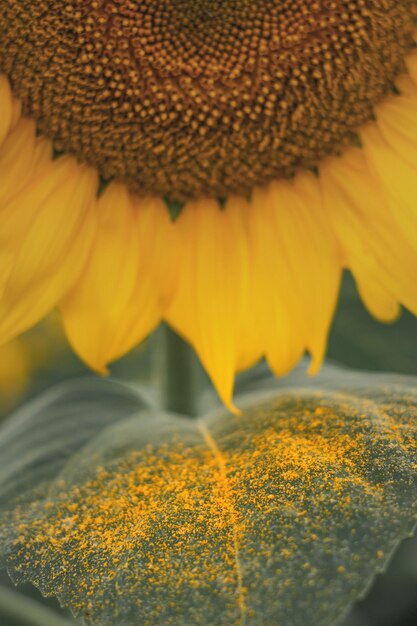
281	515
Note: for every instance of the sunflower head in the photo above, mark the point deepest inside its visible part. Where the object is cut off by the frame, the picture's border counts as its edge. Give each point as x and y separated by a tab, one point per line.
198	98
300	116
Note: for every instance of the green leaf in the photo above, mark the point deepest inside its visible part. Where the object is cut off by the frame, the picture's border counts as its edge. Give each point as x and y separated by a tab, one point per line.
16	610
281	515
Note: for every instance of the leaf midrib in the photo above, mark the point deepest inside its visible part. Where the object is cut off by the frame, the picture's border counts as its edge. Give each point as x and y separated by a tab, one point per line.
218	456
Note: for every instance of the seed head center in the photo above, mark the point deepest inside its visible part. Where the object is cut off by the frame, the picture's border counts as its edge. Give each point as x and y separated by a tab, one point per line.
190	98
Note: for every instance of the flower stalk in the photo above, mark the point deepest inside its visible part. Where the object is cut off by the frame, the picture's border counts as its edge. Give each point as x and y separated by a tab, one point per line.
181	375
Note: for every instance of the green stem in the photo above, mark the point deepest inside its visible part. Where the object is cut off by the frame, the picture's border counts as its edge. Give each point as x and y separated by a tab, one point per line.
182	375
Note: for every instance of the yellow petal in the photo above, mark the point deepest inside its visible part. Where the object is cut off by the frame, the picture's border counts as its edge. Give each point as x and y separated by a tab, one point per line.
372	245
19	212
379	303
14	368
158	271
92	310
16	113
6	107
276	322
397	180
22	154
211	296
298	273
249	344
127	282
45	237
397	121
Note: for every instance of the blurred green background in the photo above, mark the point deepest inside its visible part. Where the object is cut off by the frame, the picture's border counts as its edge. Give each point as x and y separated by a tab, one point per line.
42	358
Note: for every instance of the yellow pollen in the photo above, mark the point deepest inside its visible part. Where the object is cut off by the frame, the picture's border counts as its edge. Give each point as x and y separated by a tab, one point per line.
192	98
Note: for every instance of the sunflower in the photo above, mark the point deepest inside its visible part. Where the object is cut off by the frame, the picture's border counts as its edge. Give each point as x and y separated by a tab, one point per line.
214	164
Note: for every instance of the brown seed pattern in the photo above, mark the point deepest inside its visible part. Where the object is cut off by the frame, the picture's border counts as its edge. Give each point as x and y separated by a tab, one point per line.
190	98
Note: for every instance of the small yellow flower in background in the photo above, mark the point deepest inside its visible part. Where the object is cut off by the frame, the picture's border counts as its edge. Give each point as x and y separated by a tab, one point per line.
14	372
24	358
287	132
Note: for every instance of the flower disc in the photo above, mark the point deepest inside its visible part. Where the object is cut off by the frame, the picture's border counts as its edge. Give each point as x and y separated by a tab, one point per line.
191	98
